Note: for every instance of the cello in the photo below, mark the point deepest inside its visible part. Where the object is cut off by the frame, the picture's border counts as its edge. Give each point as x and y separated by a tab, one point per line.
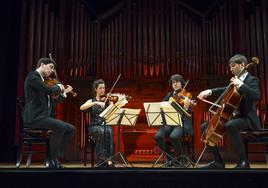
222	111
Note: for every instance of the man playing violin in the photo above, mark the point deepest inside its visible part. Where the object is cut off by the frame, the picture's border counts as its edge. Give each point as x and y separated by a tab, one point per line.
103	134
244	118
174	133
39	106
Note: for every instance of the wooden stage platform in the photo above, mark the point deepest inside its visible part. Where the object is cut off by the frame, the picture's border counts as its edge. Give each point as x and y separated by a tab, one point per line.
141	175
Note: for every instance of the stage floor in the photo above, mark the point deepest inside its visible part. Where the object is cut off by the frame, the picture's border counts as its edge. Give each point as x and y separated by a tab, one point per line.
77	165
140	175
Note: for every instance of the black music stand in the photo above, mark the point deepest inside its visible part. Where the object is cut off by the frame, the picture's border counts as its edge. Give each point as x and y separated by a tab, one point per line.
161	114
117	116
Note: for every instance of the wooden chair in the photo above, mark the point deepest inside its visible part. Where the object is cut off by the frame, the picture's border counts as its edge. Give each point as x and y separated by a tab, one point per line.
256	137
30	137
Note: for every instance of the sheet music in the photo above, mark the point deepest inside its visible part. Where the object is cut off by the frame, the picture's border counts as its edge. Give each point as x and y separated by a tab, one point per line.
129	117
153	114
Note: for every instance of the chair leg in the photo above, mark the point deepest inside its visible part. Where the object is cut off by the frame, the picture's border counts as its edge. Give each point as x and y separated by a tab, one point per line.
266	153
19	156
29	158
46	161
85	154
92	154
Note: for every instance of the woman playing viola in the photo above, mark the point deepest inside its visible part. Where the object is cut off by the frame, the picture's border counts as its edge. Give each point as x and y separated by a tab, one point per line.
103	134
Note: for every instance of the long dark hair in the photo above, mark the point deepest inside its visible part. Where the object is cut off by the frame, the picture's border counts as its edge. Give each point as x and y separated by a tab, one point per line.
96	84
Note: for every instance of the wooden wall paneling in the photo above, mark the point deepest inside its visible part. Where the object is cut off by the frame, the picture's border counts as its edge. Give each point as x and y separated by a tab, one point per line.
230	18
185	44
222	46
162	38
81	36
30	64
116	33
103	55
134	39
172	17
202	48
139	39
22	51
129	49
145	38
195	50
264	15
51	33
253	45
85	45
150	38
214	46
226	41
217	44
125	42
157	38
96	48
45	31
38	33
189	33
247	38
89	39
260	52
76	46
109	51
112	49
182	41
168	42
56	39
177	37
121	43
72	37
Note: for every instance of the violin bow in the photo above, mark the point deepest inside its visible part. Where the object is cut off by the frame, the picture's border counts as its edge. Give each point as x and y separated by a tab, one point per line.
112	87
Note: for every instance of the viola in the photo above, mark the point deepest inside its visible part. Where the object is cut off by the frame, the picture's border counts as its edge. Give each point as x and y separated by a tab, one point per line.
183	96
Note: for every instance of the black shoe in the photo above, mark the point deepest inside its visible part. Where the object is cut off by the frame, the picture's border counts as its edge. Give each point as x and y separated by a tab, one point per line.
54	163
58	164
243	164
214	165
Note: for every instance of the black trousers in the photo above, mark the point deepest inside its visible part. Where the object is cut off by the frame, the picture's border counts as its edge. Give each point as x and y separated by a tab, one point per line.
174	133
60	137
104	137
232	129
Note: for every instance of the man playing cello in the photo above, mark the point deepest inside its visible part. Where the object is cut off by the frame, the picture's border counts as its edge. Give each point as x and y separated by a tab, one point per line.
245	117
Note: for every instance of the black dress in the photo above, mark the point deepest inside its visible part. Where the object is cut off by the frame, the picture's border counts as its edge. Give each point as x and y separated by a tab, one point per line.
102	133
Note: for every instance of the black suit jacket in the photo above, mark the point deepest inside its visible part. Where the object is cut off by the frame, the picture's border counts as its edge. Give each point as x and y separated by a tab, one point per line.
250	92
36	98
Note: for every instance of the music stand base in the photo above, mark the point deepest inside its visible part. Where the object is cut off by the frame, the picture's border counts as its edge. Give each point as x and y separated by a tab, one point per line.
181	162
118	154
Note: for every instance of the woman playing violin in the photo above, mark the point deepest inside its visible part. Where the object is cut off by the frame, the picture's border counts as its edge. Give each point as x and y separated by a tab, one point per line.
244	118
175	132
103	134
39	106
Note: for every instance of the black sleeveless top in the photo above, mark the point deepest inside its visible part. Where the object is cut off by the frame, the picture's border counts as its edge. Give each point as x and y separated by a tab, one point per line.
95	111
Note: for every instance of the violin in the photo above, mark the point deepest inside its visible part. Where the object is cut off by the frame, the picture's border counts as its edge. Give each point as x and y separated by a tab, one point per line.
182	96
54	81
113	97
